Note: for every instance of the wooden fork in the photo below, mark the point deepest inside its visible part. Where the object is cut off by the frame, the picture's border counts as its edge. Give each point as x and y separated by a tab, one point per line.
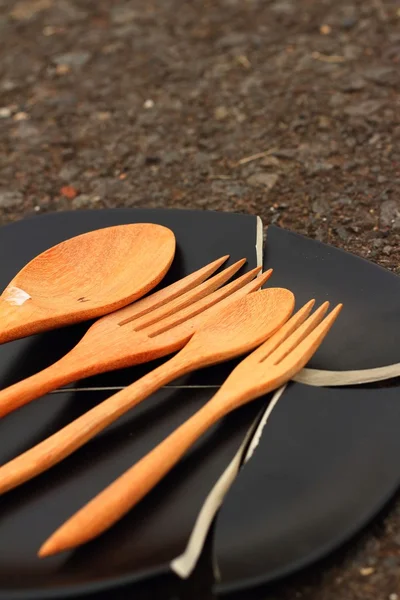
267	368
150	328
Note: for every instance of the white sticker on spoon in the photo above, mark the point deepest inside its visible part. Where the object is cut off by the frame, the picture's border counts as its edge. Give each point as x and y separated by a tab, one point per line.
15	296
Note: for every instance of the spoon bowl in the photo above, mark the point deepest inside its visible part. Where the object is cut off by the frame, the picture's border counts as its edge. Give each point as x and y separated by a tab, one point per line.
85	277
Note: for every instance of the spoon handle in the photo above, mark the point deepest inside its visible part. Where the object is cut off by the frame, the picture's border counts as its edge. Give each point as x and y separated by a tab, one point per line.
17	320
126	491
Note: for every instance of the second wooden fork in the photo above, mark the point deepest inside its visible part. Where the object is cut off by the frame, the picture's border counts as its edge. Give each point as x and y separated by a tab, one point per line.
265	369
152	327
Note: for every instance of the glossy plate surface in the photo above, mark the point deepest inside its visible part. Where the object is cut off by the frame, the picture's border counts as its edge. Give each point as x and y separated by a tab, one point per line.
145	542
328	459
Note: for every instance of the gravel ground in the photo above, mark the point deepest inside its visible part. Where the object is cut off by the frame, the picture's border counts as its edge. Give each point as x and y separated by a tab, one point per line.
289	109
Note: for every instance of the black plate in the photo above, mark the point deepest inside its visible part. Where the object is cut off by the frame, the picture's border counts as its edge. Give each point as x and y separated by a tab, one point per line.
328	459
157	530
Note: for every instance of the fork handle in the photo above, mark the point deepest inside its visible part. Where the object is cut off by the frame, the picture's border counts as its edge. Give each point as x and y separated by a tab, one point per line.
64	442
126	491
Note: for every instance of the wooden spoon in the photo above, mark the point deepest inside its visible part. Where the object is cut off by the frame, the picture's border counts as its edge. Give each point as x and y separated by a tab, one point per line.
85	277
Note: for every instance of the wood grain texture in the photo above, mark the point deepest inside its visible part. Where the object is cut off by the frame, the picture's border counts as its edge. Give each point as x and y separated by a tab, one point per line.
267	368
85	277
231	332
204	348
108	345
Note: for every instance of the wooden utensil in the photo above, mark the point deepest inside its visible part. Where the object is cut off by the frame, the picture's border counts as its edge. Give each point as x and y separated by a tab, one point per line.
150	328
85	277
213	342
267	368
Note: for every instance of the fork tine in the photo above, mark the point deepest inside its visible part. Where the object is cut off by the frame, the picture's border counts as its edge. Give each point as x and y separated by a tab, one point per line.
153	301
200	291
263	351
200	309
297	336
300	355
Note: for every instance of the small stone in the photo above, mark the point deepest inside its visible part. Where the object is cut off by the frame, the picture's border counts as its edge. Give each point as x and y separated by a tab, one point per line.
319	167
202	158
374	139
387	250
243	61
72	59
320	234
393	596
69	12
364	109
221	113
84	201
171	157
68	172
63	69
270	161
325	29
275	218
27	9
8	86
350	165
320	207
240	191
127	29
337	100
324	122
287	153
65	98
25	131
10	198
348	22
342	233
68	191
352	51
344	201
21	116
366	571
5	112
232	40
267	180
353	84
380	75
122	14
148	103
112	48
49	30
391	561
103	115
390	213
351	142
283	7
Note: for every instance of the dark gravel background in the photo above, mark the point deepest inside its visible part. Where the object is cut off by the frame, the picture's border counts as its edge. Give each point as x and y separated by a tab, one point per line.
289	109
